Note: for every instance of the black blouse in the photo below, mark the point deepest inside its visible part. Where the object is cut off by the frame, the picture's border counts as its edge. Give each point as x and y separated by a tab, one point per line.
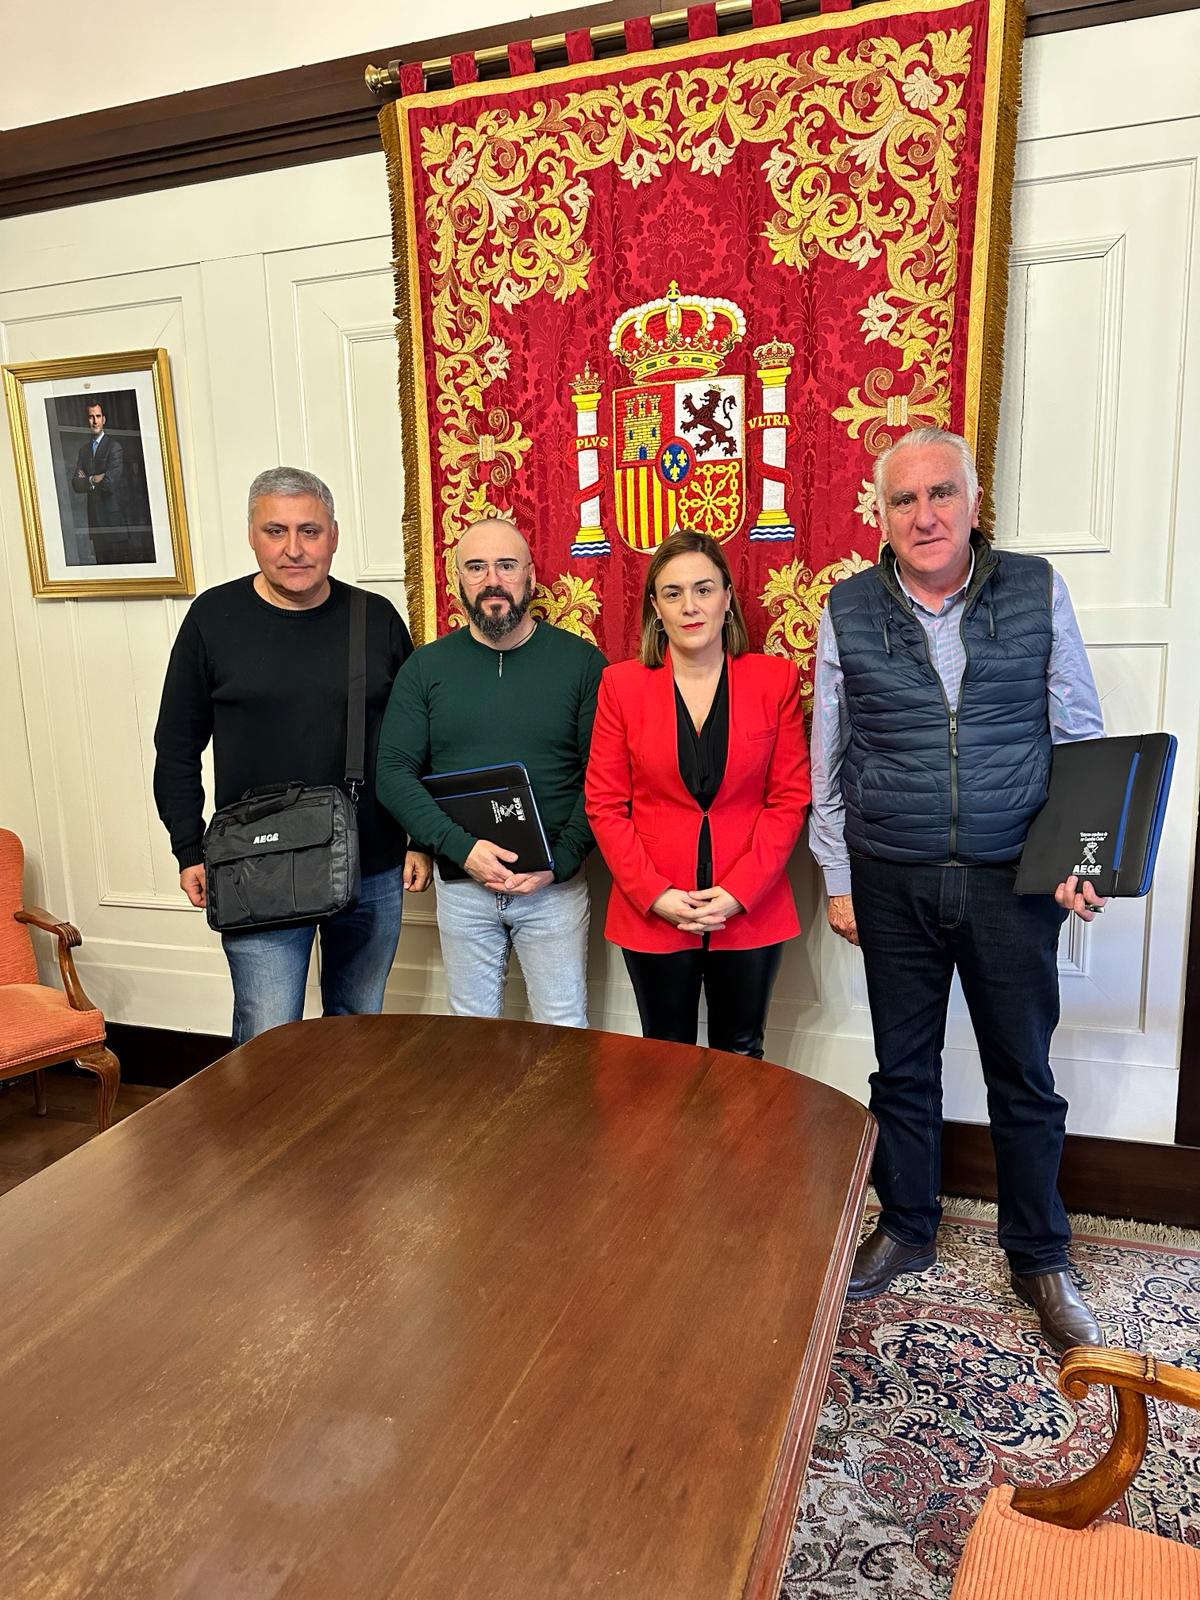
702	763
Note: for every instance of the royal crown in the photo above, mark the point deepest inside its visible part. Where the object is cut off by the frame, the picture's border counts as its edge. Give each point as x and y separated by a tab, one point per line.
585	382
776	353
688	336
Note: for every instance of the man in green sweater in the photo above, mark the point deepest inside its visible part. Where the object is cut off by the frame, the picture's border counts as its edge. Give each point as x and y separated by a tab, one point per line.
504	688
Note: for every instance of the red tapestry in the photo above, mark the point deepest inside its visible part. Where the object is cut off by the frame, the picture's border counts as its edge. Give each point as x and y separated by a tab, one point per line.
700	286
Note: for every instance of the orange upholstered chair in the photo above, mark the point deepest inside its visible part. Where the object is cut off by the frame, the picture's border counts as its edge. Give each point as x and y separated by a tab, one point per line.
41	1026
1037	1544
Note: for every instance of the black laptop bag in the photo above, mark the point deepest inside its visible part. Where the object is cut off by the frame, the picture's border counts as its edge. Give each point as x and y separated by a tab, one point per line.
288	852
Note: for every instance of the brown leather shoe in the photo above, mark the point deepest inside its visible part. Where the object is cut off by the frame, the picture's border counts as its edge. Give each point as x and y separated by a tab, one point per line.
881	1258
1064	1317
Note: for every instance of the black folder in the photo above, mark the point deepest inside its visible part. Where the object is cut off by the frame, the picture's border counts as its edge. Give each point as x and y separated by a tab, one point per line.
493	803
1103	816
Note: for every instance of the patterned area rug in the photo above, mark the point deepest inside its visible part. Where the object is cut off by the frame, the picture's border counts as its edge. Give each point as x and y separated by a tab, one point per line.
945	1389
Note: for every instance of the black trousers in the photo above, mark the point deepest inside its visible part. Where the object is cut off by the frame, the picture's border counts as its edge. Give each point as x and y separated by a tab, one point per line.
737	987
918	926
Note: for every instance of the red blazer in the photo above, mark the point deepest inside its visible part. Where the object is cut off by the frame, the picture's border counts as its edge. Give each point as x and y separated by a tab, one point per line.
648	826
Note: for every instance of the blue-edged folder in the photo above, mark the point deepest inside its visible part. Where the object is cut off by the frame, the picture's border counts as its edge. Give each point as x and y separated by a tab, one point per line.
1103	815
495	803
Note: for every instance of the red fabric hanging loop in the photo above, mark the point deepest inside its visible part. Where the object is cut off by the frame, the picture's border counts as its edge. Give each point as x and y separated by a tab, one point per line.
836	5
412	78
765	13
520	59
463	68
702	22
579	46
639	35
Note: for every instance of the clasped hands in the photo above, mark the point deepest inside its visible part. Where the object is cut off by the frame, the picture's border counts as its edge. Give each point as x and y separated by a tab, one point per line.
492	867
697	910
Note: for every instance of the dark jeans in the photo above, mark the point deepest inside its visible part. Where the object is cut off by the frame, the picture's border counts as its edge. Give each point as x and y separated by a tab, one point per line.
917	926
737	987
269	967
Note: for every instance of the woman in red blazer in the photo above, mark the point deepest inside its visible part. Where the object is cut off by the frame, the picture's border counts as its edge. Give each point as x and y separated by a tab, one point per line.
697	788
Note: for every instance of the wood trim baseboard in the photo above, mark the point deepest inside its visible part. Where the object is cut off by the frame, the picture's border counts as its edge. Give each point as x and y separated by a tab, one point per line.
1104	1177
161	1058
314	113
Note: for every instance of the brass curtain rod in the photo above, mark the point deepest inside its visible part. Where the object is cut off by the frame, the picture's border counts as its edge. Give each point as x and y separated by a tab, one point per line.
384	82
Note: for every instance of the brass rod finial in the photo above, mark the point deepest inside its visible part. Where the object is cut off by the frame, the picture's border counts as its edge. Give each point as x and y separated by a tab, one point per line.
382	80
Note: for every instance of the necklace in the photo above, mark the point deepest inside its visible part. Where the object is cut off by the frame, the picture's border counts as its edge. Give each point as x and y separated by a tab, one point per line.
500	654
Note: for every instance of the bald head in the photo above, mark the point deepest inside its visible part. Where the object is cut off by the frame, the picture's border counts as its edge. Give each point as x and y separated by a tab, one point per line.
492	539
495	579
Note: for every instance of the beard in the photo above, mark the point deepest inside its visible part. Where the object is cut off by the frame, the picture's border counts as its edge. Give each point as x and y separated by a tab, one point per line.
503	623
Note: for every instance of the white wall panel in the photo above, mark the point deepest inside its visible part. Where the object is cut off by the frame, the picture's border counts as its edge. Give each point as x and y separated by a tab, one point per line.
1054	484
334	347
1094	349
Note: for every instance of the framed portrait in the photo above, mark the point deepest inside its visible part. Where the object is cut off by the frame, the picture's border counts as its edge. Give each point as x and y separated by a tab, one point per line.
99	475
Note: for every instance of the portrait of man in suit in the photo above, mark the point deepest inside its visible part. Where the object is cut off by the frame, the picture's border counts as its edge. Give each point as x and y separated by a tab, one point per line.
99	476
106	479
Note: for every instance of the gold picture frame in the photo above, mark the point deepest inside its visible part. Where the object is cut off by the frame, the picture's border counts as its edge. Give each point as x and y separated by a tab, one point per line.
120	530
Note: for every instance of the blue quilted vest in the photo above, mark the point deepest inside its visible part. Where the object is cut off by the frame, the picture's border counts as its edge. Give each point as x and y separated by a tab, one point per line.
924	782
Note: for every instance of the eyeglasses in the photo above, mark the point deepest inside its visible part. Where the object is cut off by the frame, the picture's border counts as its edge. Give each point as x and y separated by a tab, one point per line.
506	567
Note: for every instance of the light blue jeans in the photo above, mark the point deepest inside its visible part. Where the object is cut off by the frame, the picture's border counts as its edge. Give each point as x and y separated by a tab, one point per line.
270	967
548	930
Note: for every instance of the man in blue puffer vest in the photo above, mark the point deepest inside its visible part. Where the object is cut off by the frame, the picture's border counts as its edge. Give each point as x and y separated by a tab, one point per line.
944	676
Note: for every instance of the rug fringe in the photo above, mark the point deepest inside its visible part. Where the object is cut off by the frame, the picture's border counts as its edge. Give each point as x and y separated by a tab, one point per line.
1086	1222
963	1210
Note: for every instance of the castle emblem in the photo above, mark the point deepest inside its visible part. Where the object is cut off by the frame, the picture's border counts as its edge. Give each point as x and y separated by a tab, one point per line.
679	431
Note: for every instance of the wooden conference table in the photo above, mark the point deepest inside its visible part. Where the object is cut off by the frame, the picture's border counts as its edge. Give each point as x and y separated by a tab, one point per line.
427	1308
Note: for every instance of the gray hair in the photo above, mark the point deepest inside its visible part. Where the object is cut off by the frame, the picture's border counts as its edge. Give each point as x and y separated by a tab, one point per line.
917	440
289	481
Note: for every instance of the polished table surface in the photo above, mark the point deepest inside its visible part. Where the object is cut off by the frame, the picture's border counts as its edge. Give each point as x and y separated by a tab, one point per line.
427	1308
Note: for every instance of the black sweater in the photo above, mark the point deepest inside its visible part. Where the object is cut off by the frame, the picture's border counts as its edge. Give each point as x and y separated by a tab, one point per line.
268	687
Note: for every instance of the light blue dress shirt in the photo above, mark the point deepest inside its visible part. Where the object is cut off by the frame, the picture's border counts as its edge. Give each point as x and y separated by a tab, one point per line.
1073	704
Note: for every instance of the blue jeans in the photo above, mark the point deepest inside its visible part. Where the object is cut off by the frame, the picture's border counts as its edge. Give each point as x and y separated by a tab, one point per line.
269	968
917	926
548	930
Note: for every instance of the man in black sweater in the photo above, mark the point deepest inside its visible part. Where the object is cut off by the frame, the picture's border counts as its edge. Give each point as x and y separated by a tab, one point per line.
259	667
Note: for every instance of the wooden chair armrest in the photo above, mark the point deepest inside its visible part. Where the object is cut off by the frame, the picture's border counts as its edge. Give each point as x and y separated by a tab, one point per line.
1078	1503
1126	1369
69	938
37	918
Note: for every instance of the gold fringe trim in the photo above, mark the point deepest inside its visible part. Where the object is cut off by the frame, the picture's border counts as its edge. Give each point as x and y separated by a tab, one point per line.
416	586
990	294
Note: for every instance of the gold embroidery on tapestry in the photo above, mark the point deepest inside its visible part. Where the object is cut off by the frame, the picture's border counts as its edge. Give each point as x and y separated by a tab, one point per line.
509	201
795	598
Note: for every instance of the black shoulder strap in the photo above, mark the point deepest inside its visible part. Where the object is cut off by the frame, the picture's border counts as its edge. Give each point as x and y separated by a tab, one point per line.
356	702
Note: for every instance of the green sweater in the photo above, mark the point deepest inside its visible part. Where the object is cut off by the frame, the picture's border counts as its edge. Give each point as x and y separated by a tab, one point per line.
458	704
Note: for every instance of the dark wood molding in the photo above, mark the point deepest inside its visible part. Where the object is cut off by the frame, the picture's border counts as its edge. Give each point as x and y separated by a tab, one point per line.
1187	1124
307	114
1107	1177
160	1057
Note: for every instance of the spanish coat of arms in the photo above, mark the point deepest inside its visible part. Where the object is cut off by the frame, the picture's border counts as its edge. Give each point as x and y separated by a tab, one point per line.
675	454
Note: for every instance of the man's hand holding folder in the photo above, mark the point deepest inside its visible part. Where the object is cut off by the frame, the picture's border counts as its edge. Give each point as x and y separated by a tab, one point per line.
1081	898
1100	826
